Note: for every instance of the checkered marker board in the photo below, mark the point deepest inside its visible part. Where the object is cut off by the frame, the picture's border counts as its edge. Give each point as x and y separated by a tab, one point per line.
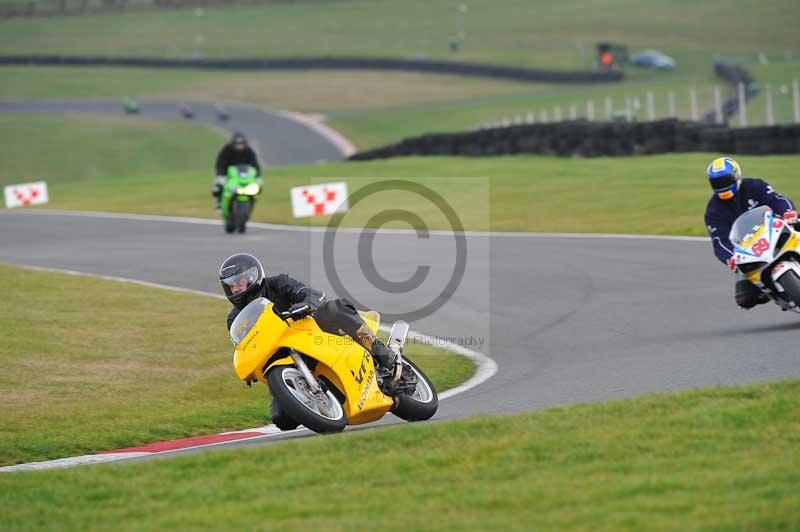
26	194
319	200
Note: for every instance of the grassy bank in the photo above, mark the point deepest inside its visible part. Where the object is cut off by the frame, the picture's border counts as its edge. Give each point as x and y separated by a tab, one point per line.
375	126
379	107
720	459
101	149
130	165
374	108
93	365
313	90
536	33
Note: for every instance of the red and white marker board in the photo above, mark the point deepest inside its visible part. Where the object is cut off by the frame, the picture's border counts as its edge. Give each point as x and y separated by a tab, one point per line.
26	194
319	200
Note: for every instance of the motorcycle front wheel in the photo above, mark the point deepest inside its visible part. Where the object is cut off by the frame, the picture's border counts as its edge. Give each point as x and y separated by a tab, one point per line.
230	220
243	210
420	405
790	282
318	411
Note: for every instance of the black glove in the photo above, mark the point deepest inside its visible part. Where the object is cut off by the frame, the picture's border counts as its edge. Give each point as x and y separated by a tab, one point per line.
298	311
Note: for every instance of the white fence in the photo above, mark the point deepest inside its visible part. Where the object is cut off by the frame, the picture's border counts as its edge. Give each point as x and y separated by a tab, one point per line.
780	105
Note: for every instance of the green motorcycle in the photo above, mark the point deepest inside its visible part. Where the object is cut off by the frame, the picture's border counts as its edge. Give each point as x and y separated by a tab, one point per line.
238	197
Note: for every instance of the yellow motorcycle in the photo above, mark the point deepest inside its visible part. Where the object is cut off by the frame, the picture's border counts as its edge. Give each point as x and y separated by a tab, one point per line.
324	381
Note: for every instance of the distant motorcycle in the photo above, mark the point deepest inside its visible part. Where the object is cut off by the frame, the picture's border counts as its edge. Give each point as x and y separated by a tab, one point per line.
130	107
186	111
222	113
239	196
767	251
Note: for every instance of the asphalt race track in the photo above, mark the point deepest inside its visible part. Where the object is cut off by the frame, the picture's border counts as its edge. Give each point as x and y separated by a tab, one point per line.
567	318
278	139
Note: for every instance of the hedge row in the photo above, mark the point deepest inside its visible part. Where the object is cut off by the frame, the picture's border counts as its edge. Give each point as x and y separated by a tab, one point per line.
350	63
57	8
581	138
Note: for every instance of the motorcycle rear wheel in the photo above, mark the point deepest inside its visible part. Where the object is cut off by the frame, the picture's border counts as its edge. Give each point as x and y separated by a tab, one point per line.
320	412
790	282
423	404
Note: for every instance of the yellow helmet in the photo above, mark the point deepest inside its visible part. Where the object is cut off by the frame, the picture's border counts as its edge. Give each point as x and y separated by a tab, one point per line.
725	176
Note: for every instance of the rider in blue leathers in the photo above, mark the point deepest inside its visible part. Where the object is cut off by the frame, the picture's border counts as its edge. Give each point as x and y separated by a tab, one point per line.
734	195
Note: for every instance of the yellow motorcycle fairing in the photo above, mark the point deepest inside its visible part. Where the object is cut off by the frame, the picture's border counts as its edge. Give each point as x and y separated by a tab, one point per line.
791	246
344	363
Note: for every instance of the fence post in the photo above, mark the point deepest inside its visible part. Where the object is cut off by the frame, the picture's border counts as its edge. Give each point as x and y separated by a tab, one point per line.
742	105
768	101
543	118
609	108
651	106
671	104
693	103
718	105
557	114
530	118
796	101
517	120
590	110
628	109
573	112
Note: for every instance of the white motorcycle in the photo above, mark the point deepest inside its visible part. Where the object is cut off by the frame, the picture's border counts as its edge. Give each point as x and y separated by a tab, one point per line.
767	252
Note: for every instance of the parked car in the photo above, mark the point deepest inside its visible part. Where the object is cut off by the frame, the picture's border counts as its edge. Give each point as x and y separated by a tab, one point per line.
653	59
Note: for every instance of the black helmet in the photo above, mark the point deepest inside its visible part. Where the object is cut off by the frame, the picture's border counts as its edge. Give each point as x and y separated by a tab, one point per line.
241	276
238	138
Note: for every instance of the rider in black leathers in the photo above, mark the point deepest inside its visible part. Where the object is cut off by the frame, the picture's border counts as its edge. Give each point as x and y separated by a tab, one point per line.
243	280
234	153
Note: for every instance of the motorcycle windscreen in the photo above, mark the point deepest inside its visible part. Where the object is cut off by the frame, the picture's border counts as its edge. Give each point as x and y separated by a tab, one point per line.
749	224
247	319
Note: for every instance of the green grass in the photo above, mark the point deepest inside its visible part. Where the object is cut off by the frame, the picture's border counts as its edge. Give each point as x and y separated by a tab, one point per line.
719	459
312	90
664	194
88	149
92	365
374	127
375	107
135	165
535	33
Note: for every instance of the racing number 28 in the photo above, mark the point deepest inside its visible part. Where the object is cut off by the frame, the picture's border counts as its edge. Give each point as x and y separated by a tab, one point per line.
760	247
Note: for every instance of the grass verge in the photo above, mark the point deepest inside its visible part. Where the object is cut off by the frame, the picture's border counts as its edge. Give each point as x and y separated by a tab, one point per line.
718	459
374	108
539	33
149	164
93	365
88	150
312	90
